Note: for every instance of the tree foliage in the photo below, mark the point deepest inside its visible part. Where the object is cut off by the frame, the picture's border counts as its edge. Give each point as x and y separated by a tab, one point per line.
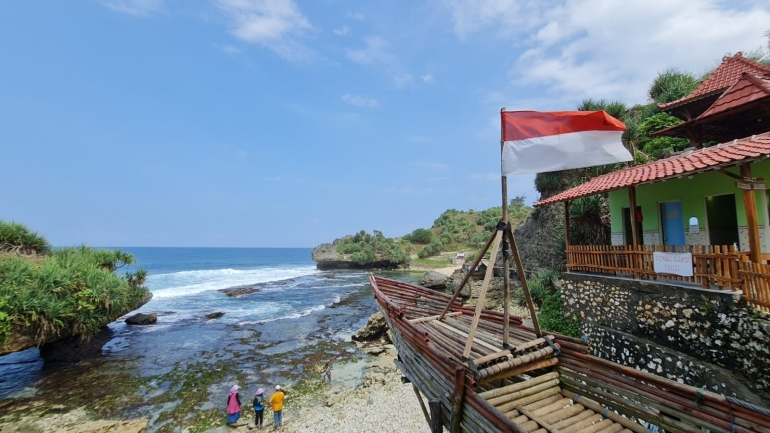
671	85
364	248
66	291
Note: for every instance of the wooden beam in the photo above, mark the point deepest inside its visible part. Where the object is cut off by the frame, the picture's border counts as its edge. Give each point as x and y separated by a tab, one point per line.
483	294
457	400
634	234
524	286
436	423
506	267
632	204
750	205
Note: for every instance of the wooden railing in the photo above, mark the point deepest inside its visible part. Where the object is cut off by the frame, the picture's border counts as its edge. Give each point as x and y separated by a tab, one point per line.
755	278
721	266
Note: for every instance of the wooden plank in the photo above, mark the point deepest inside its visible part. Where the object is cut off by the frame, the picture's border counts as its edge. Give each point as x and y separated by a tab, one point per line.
751	217
436	317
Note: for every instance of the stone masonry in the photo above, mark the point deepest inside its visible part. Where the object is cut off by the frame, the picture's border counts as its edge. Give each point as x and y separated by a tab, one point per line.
700	337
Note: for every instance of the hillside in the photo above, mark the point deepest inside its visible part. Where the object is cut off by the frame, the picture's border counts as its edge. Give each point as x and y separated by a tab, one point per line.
454	230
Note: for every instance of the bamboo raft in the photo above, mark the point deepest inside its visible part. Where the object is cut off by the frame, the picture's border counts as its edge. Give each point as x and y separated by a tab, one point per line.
526	383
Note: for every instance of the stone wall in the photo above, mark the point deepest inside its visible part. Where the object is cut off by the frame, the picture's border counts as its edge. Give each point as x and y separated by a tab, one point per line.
696	336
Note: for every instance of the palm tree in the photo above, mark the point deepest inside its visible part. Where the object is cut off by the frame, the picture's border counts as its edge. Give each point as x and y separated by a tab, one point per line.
672	84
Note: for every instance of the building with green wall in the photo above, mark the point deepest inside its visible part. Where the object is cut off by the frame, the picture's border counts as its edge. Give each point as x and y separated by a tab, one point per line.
712	198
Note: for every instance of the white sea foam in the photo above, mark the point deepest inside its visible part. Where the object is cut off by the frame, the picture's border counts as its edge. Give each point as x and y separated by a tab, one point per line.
191	282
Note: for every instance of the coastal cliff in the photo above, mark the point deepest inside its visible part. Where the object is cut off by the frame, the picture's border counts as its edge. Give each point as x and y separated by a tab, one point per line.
327	257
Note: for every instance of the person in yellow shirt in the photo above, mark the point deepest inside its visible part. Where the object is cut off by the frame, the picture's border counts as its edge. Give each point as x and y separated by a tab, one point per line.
276	402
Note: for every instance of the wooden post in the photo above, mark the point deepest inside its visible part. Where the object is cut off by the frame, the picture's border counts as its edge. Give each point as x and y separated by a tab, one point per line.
436	424
483	294
506	258
506	267
457	400
567	203
634	234
422	405
751	217
524	286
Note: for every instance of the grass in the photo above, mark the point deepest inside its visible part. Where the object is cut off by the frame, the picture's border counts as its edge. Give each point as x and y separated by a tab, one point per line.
430	262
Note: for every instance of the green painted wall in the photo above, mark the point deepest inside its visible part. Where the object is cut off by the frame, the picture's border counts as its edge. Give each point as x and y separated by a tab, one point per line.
690	192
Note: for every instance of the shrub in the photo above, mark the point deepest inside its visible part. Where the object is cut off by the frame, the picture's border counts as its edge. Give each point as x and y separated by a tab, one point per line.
421	236
548	181
71	290
16	237
365	248
552	317
432	249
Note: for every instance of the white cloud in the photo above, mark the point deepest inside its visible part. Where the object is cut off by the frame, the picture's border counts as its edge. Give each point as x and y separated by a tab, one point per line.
360	101
428	78
377	51
341	31
139	8
356	16
274	24
608	49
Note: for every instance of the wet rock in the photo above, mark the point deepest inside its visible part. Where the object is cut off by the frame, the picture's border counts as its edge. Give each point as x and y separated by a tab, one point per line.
374	328
75	349
142	319
216	315
238	291
434	280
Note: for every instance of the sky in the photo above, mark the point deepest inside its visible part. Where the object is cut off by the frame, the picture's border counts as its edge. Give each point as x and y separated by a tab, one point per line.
287	123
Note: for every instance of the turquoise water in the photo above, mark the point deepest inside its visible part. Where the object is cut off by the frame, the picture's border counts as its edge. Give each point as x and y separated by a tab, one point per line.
295	307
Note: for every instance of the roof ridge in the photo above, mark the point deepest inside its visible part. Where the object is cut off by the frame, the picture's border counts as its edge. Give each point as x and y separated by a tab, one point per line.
716	76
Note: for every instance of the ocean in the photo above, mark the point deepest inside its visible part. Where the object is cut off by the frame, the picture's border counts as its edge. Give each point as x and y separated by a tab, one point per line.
178	370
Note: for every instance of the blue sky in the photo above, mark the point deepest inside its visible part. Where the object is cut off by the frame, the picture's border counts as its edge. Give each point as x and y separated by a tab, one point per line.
279	123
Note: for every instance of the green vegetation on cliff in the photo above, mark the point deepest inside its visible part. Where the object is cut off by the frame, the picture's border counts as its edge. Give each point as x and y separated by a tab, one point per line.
46	292
364	248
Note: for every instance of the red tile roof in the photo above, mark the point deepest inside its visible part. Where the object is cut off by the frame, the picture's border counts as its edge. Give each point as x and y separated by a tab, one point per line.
730	71
748	88
709	158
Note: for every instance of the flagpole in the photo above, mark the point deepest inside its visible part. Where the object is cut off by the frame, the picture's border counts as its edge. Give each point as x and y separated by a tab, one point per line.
506	258
516	256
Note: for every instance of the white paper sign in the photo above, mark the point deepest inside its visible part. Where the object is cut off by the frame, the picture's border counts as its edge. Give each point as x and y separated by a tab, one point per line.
673	263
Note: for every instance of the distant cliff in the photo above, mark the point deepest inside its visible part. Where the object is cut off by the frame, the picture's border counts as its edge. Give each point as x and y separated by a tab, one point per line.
360	251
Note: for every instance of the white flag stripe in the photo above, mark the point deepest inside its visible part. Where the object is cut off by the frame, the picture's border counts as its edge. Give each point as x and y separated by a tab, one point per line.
563	151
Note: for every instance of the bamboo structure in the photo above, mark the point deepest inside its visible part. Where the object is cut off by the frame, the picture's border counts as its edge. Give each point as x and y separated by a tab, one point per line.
541	383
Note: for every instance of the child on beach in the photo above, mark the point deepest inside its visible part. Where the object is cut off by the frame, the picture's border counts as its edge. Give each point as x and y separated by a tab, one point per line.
259	408
233	405
327	373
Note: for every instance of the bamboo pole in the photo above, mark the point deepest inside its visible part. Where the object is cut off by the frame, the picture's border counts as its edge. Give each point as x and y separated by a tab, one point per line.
483	294
506	262
457	400
524	286
422	403
468	275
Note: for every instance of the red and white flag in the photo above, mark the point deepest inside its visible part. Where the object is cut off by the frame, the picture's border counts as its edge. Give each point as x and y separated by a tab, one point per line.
535	142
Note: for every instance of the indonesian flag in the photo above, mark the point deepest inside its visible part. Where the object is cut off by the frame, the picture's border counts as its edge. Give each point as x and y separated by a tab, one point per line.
535	142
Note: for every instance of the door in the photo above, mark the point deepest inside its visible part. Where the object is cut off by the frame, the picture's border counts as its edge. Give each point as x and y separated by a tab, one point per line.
672	221
722	220
627	234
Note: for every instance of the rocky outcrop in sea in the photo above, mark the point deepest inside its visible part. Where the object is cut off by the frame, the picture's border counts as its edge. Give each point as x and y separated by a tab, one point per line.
327	257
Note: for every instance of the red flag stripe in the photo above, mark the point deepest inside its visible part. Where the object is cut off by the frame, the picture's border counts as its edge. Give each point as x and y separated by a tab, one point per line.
522	125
